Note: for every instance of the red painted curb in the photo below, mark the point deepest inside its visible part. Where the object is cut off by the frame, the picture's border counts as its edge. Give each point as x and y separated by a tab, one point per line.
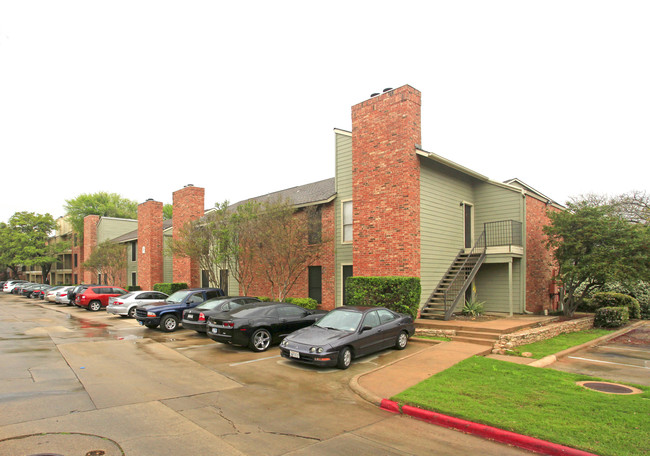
389	406
492	433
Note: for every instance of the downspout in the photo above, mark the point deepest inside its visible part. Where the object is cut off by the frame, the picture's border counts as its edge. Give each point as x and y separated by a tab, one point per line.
525	263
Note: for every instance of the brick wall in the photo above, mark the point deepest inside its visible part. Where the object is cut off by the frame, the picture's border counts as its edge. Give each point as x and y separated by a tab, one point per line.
539	260
189	205
89	244
150	244
386	184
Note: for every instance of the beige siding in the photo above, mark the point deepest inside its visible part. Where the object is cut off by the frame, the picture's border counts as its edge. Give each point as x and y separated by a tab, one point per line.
168	266
343	252
495	203
131	266
110	228
492	287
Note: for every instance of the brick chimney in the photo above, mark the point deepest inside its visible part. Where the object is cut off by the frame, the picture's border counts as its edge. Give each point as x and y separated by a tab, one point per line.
89	244
150	244
386	184
189	205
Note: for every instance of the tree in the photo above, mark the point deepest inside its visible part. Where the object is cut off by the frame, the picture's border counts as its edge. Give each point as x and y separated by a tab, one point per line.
102	204
168	210
109	260
595	244
24	241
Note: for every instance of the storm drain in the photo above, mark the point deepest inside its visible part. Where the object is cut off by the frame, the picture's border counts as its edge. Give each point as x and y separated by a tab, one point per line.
610	388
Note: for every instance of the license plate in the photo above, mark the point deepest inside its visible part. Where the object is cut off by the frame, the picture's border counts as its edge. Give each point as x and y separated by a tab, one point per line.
141	323
294	354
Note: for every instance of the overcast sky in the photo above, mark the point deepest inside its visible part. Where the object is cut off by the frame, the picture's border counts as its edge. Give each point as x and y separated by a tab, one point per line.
141	98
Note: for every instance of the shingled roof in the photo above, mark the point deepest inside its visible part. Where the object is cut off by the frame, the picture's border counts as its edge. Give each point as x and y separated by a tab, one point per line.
303	195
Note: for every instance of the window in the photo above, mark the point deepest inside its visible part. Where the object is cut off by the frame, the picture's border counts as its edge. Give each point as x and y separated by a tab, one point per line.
211	294
75	264
291	312
316	283
347	221
386	315
315	220
347	272
134	277
371	320
134	251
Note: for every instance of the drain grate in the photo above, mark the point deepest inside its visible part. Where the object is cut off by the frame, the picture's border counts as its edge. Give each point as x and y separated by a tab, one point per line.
610	388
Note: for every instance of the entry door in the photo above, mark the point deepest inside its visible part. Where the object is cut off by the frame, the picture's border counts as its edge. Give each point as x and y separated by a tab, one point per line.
468	222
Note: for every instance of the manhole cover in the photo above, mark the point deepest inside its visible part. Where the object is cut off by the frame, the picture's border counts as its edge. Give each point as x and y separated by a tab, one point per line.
610	388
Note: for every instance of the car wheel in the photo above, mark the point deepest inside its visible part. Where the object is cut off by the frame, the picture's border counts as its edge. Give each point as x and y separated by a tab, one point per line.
260	340
94	305
169	323
150	325
132	312
345	358
402	340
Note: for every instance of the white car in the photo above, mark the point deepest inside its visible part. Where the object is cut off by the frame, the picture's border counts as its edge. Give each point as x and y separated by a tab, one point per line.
61	296
11	284
125	305
51	293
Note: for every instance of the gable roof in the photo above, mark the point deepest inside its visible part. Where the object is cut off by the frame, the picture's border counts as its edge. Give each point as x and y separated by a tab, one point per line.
133	235
532	192
304	195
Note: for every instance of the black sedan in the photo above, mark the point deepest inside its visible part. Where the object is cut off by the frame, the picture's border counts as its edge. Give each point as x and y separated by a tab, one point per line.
197	318
260	325
346	333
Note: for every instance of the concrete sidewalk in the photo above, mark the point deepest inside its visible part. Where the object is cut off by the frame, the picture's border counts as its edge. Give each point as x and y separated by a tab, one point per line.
389	380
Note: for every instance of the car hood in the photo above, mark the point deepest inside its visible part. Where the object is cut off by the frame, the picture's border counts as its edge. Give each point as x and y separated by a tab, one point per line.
315	335
161	305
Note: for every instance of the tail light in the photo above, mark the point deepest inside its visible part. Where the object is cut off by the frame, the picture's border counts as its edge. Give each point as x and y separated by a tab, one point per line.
229	324
201	316
117	303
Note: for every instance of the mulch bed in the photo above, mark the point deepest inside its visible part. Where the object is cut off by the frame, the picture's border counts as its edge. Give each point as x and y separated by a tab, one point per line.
639	336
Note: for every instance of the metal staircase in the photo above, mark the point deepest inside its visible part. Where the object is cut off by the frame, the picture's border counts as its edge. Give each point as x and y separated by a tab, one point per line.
452	287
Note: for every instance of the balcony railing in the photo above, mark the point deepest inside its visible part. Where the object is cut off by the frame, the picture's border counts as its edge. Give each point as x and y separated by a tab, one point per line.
503	233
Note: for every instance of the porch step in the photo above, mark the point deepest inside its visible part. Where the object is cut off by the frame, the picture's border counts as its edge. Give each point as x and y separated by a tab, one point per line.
474	340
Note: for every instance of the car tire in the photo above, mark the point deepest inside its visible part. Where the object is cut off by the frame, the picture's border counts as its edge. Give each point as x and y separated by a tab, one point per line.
402	340
150	325
345	358
94	306
169	323
260	340
131	312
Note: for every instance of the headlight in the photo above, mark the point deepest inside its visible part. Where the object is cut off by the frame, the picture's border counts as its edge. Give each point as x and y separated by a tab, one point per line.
316	350
283	343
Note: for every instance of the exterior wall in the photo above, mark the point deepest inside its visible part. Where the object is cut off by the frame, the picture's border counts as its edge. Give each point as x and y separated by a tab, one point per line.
492	286
168	263
109	228
442	220
150	244
386	173
90	241
131	266
540	262
189	204
343	146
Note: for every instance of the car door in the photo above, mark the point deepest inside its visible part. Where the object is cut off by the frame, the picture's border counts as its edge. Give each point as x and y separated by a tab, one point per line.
291	318
389	327
370	334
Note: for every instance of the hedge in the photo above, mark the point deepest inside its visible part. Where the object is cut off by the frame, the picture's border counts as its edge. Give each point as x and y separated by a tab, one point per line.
611	317
399	294
307	303
170	288
610	299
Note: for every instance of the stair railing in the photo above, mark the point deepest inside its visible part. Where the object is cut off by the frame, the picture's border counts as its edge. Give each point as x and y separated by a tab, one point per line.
463	276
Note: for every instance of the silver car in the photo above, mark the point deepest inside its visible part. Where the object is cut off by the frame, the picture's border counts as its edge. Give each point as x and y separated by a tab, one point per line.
61	296
50	295
125	305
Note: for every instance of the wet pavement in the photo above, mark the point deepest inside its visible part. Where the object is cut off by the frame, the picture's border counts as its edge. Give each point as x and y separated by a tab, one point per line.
136	391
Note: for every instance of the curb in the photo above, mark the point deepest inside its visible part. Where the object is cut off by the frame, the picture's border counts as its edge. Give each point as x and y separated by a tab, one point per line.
482	430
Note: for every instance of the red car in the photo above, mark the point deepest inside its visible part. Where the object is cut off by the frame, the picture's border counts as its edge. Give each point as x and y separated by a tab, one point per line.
94	298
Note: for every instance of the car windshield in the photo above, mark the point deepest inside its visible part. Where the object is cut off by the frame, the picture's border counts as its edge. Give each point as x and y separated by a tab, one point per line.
124	296
178	296
210	304
342	320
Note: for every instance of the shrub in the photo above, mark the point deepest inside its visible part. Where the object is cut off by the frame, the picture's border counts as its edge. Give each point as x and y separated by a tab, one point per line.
645	310
611	317
473	308
609	299
133	288
399	294
169	288
307	303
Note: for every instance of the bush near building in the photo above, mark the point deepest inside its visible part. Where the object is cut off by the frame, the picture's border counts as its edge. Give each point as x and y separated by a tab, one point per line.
611	317
399	294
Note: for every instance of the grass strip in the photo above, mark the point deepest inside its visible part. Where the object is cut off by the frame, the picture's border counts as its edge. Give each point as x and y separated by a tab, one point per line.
540	403
560	342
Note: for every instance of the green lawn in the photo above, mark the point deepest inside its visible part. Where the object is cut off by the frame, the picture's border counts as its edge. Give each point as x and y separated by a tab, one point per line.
540	403
562	342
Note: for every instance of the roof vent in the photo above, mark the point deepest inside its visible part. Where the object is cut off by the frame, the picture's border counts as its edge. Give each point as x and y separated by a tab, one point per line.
374	94
189	185
388	89
149	199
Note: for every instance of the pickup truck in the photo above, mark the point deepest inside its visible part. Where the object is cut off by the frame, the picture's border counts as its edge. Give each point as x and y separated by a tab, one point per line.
168	313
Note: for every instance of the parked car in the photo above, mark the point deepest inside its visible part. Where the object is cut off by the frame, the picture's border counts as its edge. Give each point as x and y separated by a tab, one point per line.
261	324
39	292
72	292
94	298
61	296
51	293
125	305
9	285
168	313
346	333
197	318
27	290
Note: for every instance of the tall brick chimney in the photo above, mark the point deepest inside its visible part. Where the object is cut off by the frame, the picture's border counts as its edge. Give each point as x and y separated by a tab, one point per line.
386	184
150	244
189	205
89	244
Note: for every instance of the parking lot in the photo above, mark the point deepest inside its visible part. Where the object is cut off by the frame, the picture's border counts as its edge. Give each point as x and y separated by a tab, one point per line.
96	380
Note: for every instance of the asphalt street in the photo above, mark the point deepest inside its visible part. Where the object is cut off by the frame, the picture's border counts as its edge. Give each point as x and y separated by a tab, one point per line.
83	383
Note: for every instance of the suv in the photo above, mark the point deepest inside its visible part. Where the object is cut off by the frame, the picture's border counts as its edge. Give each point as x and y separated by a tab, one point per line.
168	313
94	298
78	289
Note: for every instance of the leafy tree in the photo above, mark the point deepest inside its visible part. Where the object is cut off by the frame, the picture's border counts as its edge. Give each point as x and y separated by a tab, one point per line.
595	244
168	210
109	260
102	204
24	242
